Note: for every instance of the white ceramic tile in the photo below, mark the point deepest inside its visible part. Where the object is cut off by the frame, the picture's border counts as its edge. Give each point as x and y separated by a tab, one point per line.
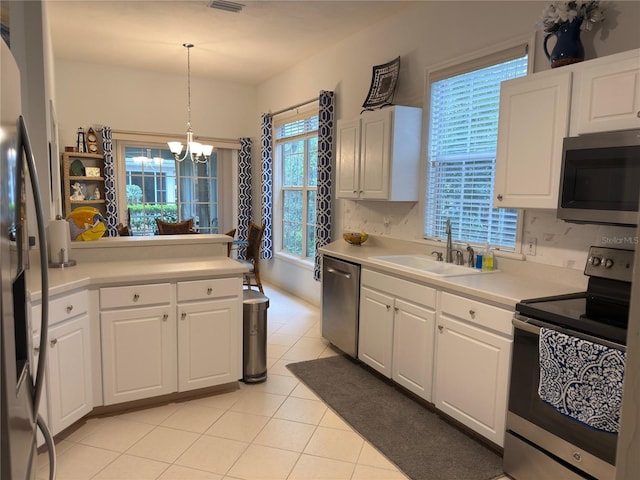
61	446
301	410
373	458
276	351
279	367
259	403
282	339
163	444
193	418
302	391
278	384
238	426
115	434
176	472
81	462
285	434
310	467
332	420
264	463
212	454
151	415
335	444
307	348
132	468
222	401
365	472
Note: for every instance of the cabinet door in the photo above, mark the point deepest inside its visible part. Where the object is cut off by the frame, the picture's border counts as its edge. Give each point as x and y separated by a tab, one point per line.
138	353
375	338
375	153
413	342
472	376
534	119
69	373
609	97
348	159
208	344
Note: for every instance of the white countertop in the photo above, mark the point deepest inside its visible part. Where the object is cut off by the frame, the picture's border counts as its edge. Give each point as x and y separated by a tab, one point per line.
504	288
87	274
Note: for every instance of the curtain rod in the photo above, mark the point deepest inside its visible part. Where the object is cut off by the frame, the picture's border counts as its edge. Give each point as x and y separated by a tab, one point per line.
295	106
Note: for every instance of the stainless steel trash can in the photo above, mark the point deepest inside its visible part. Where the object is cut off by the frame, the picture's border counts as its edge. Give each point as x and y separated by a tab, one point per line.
254	336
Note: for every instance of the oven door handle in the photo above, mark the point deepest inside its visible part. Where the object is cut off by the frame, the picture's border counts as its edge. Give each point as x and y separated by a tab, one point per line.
533	326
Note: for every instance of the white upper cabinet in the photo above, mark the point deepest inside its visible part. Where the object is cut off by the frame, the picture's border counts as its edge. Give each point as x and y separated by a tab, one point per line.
538	111
607	94
378	155
534	119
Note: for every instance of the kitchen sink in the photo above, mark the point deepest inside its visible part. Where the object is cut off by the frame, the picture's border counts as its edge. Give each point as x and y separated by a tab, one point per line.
425	264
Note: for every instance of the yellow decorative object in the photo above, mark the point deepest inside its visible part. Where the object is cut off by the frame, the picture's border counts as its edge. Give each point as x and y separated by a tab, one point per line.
86	223
355	238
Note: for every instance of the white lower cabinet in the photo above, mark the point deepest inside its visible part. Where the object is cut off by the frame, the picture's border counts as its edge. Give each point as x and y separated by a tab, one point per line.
396	334
473	355
162	338
68	388
209	333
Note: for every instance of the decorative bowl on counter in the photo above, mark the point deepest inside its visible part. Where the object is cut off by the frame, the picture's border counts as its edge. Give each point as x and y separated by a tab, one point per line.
355	238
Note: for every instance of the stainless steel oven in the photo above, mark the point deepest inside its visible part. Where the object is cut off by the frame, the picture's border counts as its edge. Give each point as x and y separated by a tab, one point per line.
541	441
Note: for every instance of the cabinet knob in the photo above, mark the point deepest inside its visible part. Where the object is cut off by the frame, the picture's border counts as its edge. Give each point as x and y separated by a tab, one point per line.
472	313
53	342
69	308
36	350
638	115
136	297
355	191
395	309
441	328
388	307
499	197
165	317
183	316
209	291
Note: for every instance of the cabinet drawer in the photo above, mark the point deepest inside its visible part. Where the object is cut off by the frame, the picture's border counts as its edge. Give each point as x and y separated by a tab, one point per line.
397	287
60	309
207	289
135	295
478	313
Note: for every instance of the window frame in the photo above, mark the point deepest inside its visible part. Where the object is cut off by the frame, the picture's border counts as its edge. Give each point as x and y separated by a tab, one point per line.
453	67
288	116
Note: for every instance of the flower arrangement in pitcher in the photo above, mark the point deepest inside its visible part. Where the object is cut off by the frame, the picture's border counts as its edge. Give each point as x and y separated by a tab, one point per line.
557	14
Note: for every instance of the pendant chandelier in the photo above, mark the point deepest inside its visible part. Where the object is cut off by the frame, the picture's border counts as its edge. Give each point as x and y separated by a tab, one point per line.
198	152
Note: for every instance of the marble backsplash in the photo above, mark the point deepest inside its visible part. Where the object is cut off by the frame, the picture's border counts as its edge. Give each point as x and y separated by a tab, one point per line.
558	243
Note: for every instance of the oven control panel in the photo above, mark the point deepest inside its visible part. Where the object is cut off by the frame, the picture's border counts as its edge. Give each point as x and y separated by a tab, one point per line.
611	263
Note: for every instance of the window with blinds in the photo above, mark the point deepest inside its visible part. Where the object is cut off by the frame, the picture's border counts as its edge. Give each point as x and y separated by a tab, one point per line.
461	151
296	152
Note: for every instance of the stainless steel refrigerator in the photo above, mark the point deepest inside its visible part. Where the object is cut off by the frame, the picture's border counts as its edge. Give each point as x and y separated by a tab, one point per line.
20	387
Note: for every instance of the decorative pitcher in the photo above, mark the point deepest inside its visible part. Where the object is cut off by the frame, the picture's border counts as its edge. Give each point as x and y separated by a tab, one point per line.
568	48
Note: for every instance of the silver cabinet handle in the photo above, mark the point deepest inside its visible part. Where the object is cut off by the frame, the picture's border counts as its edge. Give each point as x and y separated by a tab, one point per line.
183	316
165	317
69	308
53	342
500	197
136	297
338	272
472	313
209	291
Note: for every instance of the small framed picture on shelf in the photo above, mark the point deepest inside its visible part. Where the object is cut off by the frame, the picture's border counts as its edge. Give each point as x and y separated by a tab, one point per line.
92	171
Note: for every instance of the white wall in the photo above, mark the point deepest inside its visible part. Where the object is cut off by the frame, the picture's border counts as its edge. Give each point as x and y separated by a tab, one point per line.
428	34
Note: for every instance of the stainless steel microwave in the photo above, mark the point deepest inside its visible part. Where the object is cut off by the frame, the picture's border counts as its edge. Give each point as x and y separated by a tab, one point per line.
600	178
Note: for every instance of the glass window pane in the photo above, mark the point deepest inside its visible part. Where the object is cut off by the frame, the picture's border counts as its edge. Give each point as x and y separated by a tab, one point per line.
293	163
291	221
312	168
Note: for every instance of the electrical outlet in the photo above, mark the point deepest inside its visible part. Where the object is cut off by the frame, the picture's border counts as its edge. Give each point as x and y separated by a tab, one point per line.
531	246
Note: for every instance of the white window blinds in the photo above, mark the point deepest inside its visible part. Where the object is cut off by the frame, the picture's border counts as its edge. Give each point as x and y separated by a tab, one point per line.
461	151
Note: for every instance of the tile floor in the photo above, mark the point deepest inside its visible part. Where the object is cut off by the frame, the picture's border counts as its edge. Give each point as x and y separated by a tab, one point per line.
274	430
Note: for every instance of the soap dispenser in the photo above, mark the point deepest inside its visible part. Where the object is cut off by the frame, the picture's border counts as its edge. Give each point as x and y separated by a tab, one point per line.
487	259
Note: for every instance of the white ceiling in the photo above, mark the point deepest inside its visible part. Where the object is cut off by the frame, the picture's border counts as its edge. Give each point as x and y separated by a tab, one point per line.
264	39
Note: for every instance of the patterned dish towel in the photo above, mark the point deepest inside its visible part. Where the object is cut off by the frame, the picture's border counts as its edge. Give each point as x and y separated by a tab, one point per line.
581	379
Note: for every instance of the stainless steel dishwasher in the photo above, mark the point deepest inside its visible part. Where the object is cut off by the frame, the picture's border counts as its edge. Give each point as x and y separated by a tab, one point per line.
340	303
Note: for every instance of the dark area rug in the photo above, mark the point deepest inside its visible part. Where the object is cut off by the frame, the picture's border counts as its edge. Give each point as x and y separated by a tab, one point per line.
417	440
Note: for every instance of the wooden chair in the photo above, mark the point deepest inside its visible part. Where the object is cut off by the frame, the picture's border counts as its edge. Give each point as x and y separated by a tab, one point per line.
232	234
252	255
177	228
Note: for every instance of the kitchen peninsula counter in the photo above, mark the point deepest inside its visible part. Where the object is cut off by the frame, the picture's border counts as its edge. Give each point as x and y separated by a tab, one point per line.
514	281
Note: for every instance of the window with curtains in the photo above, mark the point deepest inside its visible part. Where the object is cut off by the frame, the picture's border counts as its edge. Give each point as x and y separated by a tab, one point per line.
461	150
296	162
156	186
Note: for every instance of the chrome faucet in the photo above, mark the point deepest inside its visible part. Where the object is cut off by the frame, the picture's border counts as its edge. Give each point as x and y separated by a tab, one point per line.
449	254
438	255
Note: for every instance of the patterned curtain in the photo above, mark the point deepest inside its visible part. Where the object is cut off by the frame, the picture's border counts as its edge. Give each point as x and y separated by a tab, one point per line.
266	252
109	184
326	114
244	192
